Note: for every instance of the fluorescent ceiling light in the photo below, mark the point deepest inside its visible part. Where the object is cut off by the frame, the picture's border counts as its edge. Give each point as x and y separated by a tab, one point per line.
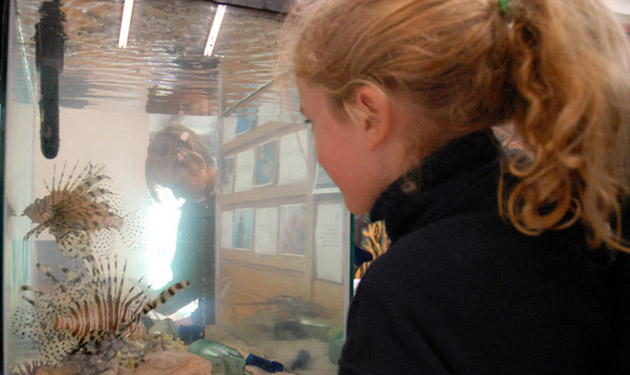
214	31
125	24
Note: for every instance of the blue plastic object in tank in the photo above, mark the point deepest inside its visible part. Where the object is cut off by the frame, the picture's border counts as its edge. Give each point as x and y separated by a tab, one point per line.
301	361
265	364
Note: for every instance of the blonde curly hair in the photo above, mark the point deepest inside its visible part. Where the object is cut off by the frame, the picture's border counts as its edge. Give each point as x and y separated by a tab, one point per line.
558	71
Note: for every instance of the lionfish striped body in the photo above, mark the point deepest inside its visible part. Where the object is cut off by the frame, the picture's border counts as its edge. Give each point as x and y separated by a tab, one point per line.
86	311
74	211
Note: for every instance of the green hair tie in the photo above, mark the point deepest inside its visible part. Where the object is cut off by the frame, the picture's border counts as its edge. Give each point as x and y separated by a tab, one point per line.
505	6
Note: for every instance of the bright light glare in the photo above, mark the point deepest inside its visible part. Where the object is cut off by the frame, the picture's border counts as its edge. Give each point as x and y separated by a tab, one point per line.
185	311
163	218
125	24
214	31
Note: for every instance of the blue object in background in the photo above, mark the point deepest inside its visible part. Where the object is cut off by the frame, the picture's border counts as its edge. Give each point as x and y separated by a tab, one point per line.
189	333
301	361
267	365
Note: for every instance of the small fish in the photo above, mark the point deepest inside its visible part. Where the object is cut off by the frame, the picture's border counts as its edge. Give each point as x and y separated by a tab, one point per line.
85	310
75	211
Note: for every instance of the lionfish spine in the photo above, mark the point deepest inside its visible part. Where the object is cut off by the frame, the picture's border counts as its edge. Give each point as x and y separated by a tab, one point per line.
164	296
29	368
161	299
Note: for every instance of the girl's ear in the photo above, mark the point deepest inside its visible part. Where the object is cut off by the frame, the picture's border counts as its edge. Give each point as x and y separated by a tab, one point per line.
374	110
197	162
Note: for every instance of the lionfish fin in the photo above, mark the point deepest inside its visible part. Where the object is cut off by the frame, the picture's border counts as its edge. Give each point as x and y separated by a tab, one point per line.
30	301
163	297
87	184
36	231
63	171
27	288
53	177
117	304
46	271
74	244
70	176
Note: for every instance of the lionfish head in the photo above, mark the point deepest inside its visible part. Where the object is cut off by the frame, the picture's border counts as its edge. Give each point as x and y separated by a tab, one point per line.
38	211
31	211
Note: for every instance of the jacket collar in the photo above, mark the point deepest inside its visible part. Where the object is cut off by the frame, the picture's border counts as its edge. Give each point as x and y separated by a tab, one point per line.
440	178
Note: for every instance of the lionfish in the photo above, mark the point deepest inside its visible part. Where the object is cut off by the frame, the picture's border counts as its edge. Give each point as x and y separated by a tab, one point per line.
74	211
85	311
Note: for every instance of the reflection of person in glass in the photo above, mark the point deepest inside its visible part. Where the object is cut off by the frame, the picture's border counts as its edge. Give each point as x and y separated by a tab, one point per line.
265	164
180	160
240	233
292	237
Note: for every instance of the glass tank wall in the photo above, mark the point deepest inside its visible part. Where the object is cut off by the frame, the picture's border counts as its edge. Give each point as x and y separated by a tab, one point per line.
164	211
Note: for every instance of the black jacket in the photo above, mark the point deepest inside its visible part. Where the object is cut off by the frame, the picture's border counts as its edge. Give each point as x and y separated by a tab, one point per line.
462	292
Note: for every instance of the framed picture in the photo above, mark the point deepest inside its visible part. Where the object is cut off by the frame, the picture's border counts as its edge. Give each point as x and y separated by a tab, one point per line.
243	228
323	182
266	231
244	169
292	229
245	121
227	174
293	156
226	229
329	242
266	164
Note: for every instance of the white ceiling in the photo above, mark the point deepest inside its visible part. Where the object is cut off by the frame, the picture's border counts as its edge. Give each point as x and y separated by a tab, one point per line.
619	6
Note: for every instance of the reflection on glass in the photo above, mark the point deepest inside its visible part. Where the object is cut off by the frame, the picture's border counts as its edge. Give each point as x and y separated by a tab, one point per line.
206	237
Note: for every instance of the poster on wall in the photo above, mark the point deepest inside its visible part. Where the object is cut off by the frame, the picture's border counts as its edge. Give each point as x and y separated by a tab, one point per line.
245	121
329	242
266	164
293	158
244	171
266	231
292	229
227	174
225	240
229	129
323	182
268	112
243	228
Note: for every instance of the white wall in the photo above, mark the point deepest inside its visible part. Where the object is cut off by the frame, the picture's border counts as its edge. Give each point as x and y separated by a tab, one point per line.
118	140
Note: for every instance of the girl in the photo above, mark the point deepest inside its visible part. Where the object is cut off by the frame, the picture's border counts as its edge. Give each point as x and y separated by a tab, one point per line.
180	160
495	265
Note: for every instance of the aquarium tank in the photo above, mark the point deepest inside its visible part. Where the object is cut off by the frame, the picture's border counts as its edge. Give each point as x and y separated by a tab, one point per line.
164	211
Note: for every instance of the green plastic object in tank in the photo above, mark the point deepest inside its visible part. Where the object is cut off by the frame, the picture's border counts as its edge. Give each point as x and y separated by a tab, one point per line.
334	350
225	360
